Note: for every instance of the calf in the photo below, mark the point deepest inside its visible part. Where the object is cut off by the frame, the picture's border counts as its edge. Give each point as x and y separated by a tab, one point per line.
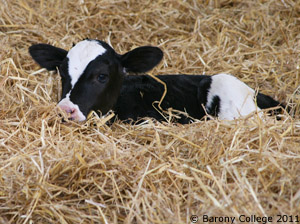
95	77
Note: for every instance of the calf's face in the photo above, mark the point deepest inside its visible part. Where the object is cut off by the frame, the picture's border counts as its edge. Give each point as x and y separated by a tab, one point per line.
92	73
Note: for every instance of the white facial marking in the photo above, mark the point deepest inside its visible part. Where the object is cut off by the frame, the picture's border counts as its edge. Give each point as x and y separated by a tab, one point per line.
81	55
67	105
236	98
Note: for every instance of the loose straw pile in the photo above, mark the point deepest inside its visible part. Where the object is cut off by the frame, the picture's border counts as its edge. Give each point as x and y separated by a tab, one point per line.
53	172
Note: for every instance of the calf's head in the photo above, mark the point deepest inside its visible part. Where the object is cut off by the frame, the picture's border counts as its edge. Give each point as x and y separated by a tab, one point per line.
92	73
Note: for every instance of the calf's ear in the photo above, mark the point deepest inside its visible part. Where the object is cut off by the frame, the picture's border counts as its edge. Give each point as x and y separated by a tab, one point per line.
141	59
47	56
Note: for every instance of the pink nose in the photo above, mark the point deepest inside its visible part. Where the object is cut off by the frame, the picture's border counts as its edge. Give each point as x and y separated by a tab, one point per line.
71	109
67	109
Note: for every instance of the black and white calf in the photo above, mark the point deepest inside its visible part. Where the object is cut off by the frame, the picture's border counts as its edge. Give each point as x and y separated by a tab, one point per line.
94	77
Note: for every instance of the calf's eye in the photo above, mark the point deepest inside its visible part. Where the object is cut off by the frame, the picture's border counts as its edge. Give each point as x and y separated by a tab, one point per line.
102	78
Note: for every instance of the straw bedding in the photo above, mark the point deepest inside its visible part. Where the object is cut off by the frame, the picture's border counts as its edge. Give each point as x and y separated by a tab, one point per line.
53	172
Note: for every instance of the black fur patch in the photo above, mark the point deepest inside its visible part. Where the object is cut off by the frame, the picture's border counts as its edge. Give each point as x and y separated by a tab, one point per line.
214	108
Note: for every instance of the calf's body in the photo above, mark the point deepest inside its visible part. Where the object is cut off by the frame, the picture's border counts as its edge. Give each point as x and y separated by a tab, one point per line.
95	77
190	94
138	94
